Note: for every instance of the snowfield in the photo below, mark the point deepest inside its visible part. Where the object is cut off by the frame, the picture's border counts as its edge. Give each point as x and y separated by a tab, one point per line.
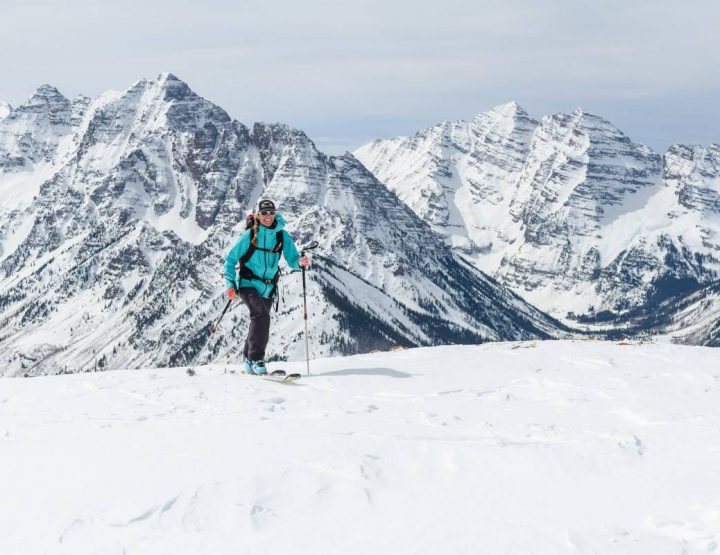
548	447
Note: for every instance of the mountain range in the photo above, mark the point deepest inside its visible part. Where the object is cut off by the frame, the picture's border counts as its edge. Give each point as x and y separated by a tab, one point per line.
566	211
117	213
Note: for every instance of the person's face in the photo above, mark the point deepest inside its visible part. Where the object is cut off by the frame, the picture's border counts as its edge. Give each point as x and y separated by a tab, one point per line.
267	217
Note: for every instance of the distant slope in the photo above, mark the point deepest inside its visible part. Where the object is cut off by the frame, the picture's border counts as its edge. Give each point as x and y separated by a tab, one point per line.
690	318
567	211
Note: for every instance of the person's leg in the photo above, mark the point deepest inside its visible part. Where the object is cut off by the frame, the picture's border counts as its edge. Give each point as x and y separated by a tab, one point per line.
258	364
247	364
259	330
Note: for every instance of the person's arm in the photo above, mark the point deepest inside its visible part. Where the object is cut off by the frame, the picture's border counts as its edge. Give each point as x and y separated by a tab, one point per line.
290	252
235	254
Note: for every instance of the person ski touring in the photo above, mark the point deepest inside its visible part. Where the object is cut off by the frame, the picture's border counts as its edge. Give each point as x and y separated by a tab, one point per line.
257	252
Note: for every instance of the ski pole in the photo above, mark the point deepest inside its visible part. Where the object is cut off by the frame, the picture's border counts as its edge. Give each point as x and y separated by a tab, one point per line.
309	247
213	329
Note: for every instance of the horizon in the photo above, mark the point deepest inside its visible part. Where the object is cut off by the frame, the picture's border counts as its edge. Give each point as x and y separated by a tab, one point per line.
324	146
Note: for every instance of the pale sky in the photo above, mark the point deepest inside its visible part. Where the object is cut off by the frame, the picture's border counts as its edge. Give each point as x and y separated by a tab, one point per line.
347	73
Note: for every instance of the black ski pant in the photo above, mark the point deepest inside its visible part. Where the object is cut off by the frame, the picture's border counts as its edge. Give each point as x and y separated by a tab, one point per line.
259	332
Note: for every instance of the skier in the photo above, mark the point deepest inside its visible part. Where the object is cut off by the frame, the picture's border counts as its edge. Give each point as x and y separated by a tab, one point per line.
258	252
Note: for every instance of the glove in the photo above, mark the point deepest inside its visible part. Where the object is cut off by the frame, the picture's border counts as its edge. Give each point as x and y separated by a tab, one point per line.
232	294
304	262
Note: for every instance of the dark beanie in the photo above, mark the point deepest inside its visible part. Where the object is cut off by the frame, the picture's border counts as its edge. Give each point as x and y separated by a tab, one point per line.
266	204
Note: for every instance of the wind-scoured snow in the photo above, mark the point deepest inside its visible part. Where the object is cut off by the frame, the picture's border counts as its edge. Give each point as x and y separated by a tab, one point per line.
548	447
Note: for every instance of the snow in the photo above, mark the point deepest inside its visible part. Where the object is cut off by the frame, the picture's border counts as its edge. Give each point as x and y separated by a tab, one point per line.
16	236
19	189
552	447
5	109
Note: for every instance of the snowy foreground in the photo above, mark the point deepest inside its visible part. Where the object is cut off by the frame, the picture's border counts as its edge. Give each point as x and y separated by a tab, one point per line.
563	447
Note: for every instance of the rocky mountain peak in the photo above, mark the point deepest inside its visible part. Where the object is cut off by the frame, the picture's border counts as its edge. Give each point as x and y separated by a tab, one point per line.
174	88
441	132
595	126
165	89
46	102
580	131
279	143
31	132
48	93
166	76
508	124
279	135
510	109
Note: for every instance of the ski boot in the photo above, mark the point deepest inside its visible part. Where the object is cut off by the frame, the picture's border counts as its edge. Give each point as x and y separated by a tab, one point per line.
258	367
247	366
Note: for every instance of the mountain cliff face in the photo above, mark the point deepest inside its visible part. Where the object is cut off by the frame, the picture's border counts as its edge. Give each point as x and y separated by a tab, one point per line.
567	211
117	213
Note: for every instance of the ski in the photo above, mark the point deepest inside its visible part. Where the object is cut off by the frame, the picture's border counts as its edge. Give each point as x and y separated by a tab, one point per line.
277	376
281	376
274	376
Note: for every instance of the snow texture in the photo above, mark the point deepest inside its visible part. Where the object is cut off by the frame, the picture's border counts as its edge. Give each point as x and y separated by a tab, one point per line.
548	447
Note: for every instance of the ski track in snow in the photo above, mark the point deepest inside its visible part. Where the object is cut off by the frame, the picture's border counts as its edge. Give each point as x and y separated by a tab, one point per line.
559	447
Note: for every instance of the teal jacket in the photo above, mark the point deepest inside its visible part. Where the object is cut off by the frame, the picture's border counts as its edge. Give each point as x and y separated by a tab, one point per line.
262	263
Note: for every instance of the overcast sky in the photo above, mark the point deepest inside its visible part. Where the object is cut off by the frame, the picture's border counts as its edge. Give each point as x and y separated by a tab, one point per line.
347	74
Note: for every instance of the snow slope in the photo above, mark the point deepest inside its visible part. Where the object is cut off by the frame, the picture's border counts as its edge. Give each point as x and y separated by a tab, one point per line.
554	447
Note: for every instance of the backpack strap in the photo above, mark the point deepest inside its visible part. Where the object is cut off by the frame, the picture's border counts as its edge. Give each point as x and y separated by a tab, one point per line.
248	253
252	248
247	273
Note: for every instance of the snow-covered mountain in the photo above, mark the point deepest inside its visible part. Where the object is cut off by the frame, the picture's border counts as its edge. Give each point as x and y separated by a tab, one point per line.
567	211
5	109
117	213
553	447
